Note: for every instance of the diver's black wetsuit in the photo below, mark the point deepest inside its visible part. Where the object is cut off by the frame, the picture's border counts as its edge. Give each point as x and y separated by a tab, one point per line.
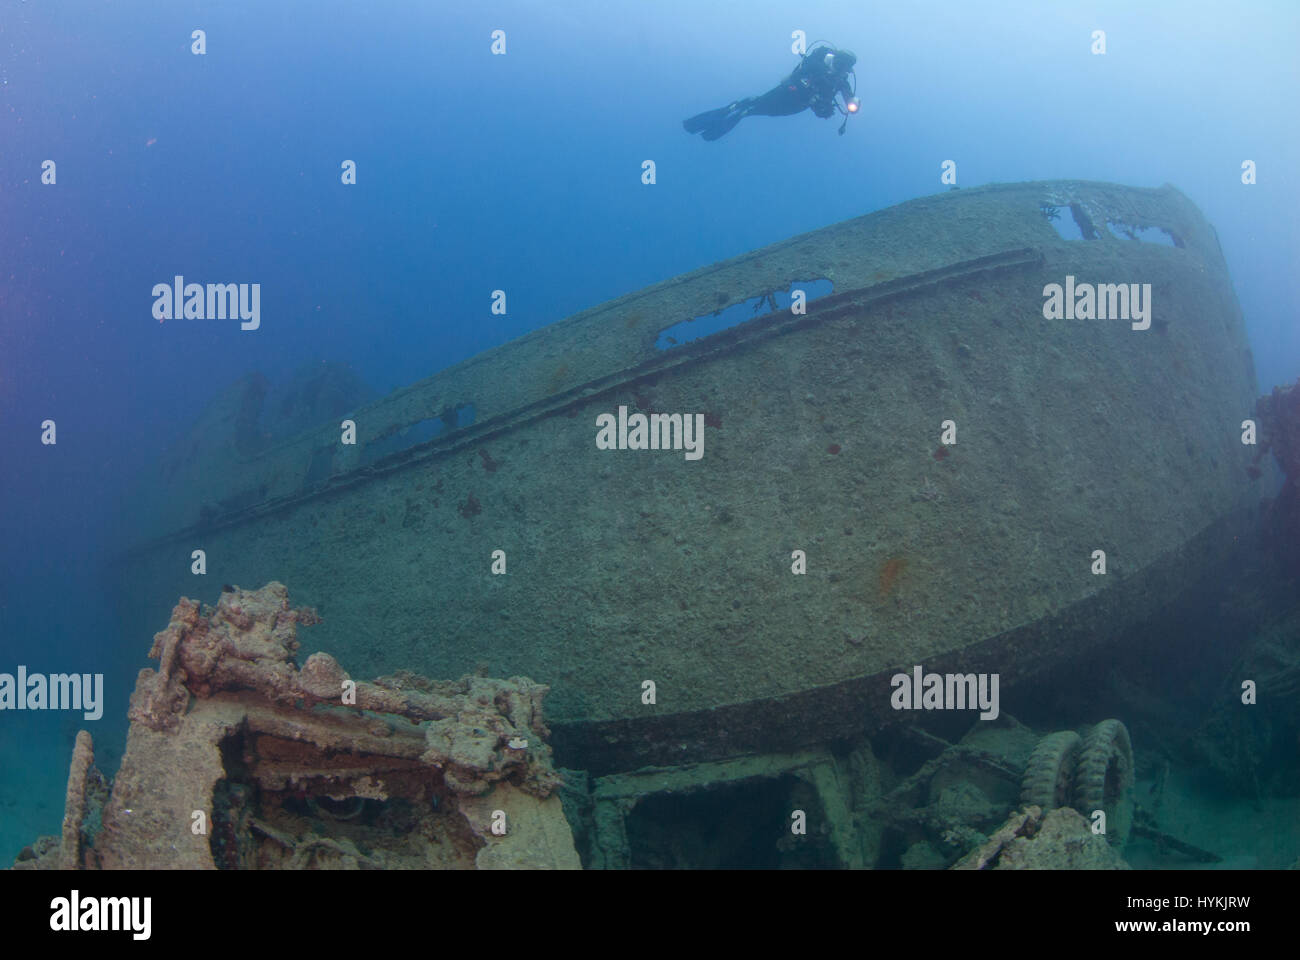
822	73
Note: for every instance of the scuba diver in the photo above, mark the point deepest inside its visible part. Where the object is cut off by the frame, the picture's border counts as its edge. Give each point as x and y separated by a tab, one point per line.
822	73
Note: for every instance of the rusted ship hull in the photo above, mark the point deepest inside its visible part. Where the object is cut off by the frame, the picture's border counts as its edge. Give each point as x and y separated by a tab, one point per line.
822	434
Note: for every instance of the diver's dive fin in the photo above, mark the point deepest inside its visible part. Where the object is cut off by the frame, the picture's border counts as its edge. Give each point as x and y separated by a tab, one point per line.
706	119
713	124
720	128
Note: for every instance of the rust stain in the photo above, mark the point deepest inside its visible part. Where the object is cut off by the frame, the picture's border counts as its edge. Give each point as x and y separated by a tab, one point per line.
558	378
890	573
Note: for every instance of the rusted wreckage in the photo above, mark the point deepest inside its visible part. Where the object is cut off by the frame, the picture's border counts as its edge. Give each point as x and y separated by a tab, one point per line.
238	758
823	437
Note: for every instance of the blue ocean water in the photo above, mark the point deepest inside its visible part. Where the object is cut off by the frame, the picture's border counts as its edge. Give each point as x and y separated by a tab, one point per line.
477	172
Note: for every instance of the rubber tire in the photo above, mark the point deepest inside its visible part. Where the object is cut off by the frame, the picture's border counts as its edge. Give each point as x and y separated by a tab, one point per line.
1104	779
1049	774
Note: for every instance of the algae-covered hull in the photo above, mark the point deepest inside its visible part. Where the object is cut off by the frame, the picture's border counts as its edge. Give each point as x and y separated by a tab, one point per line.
823	443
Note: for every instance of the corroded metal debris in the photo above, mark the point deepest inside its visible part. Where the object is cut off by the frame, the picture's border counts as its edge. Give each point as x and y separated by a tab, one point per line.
238	758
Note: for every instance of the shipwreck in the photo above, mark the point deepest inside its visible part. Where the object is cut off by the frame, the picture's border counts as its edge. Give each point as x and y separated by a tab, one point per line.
905	460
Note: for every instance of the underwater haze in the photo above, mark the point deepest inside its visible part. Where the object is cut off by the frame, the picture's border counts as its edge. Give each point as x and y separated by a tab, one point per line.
523	170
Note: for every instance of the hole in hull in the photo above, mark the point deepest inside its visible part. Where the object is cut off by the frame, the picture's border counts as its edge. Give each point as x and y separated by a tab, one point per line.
708	324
